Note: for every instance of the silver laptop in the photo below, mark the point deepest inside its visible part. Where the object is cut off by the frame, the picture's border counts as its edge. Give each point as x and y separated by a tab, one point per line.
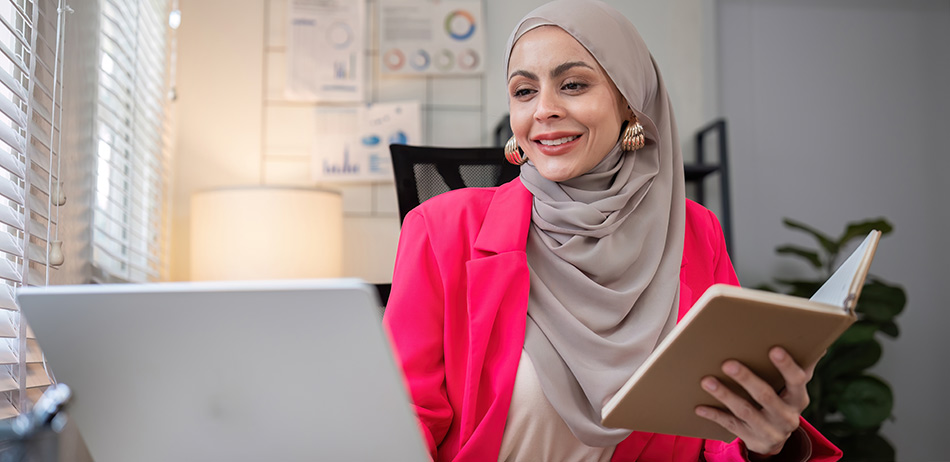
248	371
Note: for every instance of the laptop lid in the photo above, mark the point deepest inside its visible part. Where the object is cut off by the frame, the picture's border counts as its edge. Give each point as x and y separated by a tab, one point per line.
237	371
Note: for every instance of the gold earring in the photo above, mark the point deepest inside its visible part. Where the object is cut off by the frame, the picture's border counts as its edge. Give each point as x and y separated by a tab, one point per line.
513	154
633	138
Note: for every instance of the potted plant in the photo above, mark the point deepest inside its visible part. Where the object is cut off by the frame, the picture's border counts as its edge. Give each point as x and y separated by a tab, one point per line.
848	404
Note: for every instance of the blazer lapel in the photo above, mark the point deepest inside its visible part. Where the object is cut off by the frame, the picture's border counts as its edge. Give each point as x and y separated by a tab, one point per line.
507	219
498	285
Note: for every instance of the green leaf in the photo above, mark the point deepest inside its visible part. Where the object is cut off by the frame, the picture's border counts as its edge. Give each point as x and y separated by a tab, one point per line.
851	359
807	254
860	331
800	287
862	228
890	329
881	302
826	242
866	402
830	391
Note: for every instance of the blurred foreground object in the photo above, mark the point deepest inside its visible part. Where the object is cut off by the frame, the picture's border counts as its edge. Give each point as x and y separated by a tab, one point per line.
30	436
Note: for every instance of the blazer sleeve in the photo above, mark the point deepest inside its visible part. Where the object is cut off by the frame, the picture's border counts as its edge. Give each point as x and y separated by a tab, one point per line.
806	444
414	317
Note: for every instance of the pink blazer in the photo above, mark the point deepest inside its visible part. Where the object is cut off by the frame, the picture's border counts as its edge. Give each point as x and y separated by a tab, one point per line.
457	317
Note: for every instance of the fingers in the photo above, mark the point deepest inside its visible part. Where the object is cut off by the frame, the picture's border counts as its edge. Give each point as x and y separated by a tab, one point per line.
741	411
758	440
764	429
796	378
769	419
724	419
780	411
760	391
743	420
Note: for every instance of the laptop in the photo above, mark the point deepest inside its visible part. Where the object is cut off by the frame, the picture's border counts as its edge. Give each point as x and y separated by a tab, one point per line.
235	371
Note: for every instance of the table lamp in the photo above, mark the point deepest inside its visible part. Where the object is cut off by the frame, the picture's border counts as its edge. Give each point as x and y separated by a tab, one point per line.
265	232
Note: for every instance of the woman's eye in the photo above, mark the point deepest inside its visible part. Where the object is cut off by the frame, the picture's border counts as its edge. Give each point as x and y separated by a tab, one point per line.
574	86
521	92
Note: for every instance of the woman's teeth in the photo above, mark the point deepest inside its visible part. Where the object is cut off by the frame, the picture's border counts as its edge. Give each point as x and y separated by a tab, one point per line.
558	141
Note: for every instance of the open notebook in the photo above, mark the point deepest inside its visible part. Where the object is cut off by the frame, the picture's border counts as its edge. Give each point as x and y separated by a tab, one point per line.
743	324
249	371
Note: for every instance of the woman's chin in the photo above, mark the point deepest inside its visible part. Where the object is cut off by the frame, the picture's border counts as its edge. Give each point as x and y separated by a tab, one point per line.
557	175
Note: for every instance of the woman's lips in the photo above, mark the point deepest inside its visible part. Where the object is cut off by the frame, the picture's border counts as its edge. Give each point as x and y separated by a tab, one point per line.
558	149
558	141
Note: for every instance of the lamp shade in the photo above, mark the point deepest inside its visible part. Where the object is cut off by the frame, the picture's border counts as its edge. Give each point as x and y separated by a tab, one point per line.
266	233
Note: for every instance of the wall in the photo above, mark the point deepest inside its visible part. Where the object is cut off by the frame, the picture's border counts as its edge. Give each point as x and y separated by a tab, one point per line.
218	109
236	128
838	112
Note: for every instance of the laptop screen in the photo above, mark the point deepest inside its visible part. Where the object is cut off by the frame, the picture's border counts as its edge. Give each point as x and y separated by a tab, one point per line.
267	370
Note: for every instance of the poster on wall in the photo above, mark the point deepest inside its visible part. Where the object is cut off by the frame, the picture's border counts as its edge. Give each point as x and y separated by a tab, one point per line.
362	153
442	38
325	50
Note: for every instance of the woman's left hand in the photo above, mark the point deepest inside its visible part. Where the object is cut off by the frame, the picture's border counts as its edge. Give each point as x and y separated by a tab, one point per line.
763	430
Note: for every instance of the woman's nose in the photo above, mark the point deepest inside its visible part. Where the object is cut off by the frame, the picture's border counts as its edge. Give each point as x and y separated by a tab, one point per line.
549	106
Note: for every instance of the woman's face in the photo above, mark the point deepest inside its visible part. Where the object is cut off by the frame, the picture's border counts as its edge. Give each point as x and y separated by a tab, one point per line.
565	111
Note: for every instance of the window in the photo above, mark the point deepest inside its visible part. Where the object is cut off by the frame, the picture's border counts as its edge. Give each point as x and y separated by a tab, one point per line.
30	114
129	159
132	163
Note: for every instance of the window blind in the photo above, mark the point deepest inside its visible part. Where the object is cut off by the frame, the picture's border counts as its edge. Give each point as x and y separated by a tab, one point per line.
132	153
30	114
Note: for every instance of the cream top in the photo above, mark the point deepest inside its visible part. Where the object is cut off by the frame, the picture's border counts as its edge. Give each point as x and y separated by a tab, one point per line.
535	431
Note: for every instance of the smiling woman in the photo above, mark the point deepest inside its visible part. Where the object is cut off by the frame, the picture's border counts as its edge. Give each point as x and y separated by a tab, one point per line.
517	311
565	111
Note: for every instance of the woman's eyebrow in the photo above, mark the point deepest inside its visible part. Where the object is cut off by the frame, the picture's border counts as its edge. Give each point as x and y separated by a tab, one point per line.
562	68
526	74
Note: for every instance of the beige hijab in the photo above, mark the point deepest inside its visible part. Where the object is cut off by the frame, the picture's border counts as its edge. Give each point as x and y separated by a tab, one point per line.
604	248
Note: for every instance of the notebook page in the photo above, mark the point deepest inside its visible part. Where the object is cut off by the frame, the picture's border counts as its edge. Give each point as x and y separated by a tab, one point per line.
841	286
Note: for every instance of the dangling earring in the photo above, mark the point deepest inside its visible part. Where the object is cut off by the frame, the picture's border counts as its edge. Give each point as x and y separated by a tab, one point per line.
513	154
632	136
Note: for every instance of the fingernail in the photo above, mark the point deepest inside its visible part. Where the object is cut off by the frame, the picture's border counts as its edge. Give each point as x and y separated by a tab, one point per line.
778	354
702	412
710	385
731	368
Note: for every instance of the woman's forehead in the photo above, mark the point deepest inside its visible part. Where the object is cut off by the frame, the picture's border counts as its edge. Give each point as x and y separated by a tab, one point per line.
549	44
610	39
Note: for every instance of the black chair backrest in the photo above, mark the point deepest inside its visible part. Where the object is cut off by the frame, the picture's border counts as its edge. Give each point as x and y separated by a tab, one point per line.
422	172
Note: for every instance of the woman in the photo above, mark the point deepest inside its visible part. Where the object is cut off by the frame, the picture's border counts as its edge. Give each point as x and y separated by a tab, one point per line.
517	311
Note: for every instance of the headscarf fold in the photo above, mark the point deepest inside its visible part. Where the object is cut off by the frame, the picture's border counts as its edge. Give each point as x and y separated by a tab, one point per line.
604	249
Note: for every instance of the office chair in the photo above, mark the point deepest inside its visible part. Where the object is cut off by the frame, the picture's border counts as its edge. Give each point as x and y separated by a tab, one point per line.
422	172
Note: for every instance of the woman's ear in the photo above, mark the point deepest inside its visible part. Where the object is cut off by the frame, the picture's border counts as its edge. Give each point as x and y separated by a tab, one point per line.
630	113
